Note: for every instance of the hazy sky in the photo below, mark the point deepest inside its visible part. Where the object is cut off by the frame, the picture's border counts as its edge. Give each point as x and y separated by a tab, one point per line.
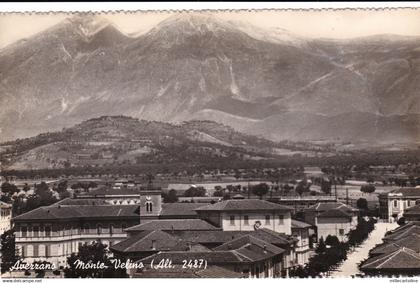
312	23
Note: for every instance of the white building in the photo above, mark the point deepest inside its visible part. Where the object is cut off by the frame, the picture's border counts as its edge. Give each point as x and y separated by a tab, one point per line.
392	205
335	219
5	217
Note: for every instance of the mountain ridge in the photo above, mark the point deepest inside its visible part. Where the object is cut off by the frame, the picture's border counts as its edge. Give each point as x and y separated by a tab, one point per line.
177	70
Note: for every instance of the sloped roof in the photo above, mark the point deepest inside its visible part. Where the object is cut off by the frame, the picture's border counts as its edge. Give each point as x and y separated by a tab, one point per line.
410	191
300	224
411	241
219	237
325	206
79	211
212	257
212	271
403	232
144	242
415	210
250	244
174	224
179	209
244	205
114	192
334	213
400	259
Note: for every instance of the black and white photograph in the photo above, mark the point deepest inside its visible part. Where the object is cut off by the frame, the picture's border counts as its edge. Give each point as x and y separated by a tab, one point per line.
210	144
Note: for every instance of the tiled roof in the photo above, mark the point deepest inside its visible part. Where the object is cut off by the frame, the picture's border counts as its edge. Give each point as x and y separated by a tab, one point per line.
244	205
83	211
210	272
250	244
400	259
212	257
415	210
325	206
407	191
174	224
81	201
334	213
300	224
402	232
144	242
180	209
220	237
116	192
411	241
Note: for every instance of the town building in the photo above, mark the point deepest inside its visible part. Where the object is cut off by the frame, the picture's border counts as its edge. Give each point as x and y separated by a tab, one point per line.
52	233
304	233
247	255
247	215
335	219
6	217
392	205
300	203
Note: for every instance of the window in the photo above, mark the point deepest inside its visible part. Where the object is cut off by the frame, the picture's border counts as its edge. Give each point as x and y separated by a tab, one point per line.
149	206
36	250
267	219
48	231
111	229
341	232
23	251
86	227
99	229
281	219
246	219
232	220
24	232
36	231
395	203
408	203
47	250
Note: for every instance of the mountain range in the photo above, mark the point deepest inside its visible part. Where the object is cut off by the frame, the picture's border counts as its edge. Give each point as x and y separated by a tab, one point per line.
266	82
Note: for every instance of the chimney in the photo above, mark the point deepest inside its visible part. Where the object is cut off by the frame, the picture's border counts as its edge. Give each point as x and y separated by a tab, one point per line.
153	244
265	249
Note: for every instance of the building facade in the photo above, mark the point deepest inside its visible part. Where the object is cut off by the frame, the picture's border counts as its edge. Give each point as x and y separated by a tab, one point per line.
248	215
392	205
335	219
5	217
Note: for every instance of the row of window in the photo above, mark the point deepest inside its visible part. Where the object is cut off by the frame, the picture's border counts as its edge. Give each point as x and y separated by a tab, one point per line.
267	219
35	251
42	231
409	203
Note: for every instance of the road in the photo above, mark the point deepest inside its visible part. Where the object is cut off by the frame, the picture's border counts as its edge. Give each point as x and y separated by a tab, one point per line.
349	267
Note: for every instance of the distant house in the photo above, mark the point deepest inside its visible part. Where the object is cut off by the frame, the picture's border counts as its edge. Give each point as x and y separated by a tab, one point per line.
335	219
412	213
392	205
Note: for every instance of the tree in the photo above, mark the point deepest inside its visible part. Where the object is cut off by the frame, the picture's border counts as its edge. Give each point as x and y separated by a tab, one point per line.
401	221
321	248
194	191
260	190
92	253
10	189
326	187
362	204
332	241
8	251
26	188
171	196
369	188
